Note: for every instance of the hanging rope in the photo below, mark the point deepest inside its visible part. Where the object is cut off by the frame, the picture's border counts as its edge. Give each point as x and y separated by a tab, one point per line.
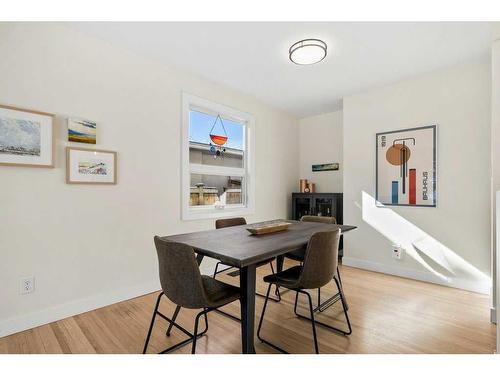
219	140
215	122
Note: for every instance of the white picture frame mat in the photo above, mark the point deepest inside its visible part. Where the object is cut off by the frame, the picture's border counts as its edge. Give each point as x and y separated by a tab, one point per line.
46	136
77	155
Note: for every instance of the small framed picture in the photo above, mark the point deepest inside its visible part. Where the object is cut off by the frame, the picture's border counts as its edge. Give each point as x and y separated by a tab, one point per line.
325	167
83	131
87	166
26	137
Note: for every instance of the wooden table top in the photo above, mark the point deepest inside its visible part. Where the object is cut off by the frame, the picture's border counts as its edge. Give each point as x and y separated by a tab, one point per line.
235	246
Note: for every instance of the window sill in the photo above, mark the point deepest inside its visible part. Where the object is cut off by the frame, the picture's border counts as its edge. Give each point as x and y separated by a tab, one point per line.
216	213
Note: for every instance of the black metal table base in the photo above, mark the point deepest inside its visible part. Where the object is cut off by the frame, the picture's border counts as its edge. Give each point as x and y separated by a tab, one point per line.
236	273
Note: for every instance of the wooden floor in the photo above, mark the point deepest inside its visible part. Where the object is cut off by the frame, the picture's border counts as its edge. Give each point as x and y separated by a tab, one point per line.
388	314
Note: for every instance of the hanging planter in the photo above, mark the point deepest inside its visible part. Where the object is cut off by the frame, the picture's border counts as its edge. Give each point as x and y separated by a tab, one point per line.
219	140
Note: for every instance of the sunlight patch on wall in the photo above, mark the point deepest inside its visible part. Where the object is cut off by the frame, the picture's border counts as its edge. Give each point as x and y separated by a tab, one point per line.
426	250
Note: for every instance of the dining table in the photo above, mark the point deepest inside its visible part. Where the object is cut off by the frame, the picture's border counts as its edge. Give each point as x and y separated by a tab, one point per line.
237	247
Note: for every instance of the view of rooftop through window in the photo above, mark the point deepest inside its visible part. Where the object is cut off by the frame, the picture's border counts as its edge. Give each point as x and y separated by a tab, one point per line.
220	188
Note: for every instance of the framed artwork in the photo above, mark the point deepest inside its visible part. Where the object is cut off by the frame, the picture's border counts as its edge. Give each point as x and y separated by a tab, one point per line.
406	167
80	130
325	167
27	138
87	166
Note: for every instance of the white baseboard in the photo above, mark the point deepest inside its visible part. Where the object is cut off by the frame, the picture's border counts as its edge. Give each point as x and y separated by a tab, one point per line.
37	318
417	275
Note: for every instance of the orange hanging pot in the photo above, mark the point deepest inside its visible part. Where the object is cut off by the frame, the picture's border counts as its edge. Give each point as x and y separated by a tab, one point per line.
219	140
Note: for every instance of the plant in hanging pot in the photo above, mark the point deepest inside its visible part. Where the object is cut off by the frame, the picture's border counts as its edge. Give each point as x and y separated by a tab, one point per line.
219	140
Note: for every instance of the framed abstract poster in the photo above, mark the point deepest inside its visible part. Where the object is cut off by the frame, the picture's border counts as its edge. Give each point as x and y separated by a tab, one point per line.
88	166
406	167
26	137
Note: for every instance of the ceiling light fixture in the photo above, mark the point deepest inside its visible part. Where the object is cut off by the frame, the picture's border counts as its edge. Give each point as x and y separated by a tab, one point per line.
307	52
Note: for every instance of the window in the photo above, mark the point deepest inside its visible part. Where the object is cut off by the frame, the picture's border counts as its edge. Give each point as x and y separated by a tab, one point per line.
217	164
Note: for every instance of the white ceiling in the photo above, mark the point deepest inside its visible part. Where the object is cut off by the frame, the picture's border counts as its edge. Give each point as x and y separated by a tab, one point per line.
253	57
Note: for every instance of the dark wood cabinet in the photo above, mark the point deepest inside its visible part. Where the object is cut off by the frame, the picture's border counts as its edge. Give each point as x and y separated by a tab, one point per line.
318	204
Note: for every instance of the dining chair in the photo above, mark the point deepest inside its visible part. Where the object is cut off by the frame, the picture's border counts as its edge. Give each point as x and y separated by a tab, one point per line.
232	222
320	263
182	283
298	255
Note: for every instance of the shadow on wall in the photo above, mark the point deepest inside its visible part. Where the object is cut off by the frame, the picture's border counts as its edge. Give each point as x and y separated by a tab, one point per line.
435	257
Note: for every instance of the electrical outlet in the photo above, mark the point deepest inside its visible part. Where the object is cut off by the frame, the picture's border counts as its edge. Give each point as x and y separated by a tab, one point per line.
397	251
27	285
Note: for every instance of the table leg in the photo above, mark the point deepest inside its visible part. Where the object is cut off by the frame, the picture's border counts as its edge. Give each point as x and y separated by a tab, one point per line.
280	260
247	287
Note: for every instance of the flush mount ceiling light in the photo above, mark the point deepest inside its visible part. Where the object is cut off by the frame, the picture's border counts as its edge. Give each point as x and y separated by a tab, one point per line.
307	51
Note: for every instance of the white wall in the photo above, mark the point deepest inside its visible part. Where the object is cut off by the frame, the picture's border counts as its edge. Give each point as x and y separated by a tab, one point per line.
455	236
88	246
320	143
495	176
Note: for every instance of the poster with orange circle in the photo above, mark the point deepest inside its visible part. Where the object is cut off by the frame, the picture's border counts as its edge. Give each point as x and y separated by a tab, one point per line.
406	167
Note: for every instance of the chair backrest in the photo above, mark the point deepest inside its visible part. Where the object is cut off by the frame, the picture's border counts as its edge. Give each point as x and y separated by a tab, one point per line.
319	219
320	260
180	276
224	223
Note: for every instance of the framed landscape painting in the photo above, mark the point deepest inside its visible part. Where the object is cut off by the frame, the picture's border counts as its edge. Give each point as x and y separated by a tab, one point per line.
325	167
83	131
26	137
406	167
87	166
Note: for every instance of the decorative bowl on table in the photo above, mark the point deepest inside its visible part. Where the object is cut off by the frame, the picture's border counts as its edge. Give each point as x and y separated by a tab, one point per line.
269	227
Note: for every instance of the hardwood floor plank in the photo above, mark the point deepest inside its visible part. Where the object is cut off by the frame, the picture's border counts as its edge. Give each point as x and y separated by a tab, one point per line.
71	337
388	315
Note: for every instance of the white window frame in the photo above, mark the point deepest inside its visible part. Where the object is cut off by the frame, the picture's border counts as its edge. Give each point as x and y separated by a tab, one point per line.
191	102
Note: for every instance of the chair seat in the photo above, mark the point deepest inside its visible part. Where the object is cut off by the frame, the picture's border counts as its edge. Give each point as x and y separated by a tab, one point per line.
288	278
297	255
218	292
261	263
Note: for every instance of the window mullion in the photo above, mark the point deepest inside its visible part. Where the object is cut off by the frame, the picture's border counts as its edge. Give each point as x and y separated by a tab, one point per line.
216	170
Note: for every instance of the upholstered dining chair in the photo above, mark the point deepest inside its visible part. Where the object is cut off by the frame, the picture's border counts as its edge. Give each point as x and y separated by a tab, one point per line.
232	222
319	265
183	284
298	255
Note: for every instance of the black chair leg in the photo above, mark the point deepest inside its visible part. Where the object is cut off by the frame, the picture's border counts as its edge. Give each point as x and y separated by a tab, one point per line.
262	319
344	305
341	288
216	268
338	275
195	334
174	317
334	299
311	311
152	323
190	338
263	311
342	298
276	292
